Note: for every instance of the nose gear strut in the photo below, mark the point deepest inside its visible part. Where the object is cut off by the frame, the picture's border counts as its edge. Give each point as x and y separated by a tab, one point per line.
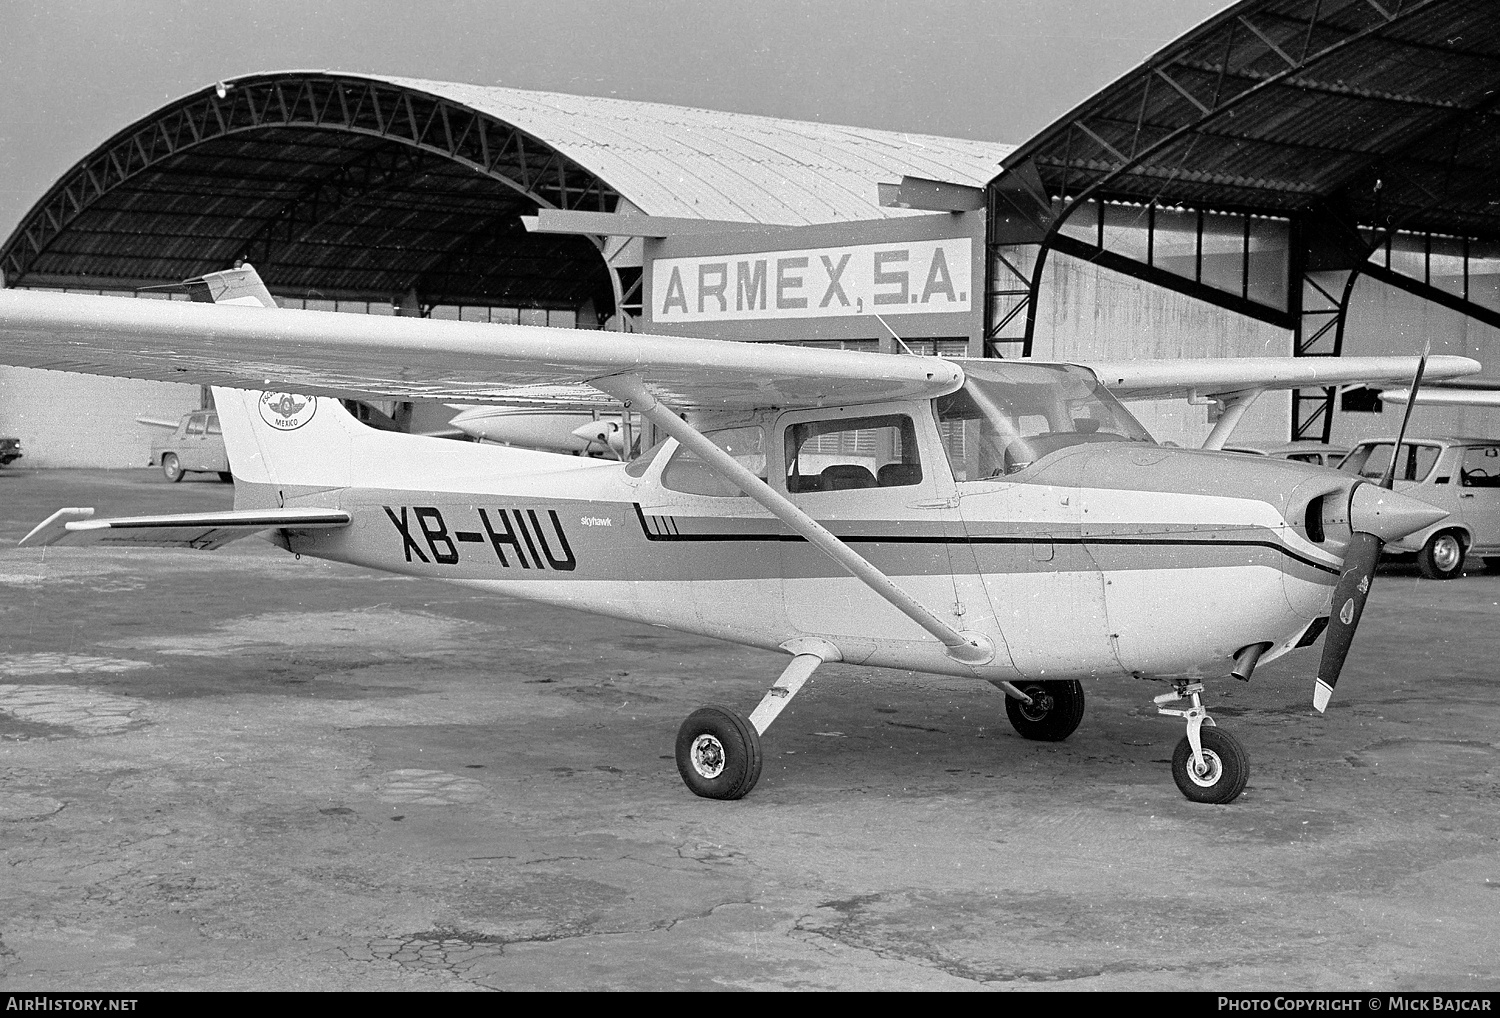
1208	766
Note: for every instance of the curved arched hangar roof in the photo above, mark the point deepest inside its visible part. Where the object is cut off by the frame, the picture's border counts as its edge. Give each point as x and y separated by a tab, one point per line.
350	184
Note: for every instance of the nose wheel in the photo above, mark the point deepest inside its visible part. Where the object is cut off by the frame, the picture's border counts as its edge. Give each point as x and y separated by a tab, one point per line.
1208	765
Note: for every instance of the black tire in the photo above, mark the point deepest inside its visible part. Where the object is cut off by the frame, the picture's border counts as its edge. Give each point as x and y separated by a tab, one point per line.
226	477
1442	557
1228	767
718	753
171	467
1054	713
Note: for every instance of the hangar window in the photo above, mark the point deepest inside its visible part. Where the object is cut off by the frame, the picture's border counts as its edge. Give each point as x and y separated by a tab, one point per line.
852	452
1239	254
1361	399
687	473
1465	268
860	345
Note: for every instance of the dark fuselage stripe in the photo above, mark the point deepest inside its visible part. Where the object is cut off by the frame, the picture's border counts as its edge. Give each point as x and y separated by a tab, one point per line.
973	541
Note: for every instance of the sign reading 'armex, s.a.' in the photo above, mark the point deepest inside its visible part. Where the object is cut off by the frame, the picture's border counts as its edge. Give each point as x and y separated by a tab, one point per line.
906	277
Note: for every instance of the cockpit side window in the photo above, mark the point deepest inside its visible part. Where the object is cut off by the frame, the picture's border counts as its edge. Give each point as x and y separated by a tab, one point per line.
686	473
852	452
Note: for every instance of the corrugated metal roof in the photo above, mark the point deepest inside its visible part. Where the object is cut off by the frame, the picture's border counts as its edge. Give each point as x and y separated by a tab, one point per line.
709	164
350	184
1385	113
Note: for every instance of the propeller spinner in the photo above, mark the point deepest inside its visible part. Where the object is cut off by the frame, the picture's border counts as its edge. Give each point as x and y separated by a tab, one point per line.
1376	515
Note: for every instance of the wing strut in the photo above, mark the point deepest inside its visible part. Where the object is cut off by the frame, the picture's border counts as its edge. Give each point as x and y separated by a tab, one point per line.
968	648
1230	408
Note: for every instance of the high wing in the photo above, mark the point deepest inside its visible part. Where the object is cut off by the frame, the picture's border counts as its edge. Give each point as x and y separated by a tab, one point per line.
204	531
1228	377
369	357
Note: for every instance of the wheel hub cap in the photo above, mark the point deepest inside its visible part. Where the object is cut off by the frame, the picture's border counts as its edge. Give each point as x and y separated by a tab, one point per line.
1213	770
1039	707
707	756
1445	553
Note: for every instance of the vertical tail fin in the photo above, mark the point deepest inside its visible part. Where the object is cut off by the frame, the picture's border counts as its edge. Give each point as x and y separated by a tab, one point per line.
279	443
288	441
239	285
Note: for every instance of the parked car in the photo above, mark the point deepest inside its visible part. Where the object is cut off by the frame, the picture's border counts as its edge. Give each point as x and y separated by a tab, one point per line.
1460	475
195	444
10	451
1303	452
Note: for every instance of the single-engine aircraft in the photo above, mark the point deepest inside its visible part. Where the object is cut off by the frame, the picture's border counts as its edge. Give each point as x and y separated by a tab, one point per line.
1004	520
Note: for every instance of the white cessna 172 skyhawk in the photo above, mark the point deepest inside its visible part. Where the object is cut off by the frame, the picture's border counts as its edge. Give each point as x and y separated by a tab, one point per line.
1004	520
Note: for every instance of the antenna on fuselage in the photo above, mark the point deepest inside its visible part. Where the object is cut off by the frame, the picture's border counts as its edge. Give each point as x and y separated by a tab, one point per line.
897	338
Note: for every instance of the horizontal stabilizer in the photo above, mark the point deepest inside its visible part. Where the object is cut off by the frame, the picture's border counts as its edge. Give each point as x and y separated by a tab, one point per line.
205	531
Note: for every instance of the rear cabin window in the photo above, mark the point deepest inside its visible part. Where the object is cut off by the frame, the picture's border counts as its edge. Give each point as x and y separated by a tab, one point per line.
213	425
852	452
195	426
687	473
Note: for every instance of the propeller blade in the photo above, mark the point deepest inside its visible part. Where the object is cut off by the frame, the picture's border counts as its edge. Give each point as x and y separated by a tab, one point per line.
1388	479
1349	598
1374	520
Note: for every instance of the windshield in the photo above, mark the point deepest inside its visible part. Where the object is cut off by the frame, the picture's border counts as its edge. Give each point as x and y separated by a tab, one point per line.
1009	415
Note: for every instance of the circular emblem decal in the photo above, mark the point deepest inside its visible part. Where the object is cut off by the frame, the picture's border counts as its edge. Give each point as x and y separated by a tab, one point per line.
286	412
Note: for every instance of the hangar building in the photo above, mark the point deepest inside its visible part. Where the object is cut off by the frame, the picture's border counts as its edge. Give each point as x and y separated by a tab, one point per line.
1307	177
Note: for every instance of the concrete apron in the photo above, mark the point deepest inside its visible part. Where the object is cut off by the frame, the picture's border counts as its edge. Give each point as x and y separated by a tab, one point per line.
236	770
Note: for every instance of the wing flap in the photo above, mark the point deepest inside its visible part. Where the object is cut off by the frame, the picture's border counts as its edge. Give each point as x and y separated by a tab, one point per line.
370	357
204	531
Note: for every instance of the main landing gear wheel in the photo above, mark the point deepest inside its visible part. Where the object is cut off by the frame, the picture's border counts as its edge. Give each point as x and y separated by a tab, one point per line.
1225	767
171	468
1442	557
718	753
1055	710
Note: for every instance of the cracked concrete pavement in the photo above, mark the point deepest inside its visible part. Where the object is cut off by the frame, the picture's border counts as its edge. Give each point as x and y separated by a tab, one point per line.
237	770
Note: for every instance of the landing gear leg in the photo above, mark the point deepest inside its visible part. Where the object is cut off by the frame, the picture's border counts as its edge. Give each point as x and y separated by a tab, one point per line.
718	748
1208	765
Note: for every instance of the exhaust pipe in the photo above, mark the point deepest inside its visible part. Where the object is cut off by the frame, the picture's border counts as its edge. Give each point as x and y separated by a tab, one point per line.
1246	660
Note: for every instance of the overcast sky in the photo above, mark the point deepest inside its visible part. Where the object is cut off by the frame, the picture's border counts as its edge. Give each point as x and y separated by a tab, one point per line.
73	72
